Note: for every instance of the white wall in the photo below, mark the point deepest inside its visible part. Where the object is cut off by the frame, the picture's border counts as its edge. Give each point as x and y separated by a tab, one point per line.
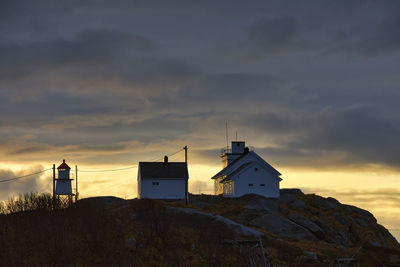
63	187
166	188
256	178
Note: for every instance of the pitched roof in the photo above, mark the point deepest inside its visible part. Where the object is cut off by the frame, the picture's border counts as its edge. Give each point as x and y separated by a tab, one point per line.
228	170
243	166
161	170
63	165
222	172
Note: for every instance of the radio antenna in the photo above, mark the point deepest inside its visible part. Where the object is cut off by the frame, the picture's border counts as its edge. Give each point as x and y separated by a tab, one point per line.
226	130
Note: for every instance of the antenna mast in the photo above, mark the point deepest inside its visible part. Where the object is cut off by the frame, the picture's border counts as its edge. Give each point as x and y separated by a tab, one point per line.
226	129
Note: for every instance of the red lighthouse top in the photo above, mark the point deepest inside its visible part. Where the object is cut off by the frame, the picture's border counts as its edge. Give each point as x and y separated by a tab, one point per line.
63	165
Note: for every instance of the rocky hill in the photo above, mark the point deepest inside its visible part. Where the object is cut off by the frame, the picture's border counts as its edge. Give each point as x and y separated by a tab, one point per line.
294	230
297	216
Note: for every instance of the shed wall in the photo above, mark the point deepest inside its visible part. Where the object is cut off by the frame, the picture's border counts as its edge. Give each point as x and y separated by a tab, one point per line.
165	189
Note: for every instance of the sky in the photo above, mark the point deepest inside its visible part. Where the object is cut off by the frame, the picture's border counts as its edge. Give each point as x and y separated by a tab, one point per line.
313	86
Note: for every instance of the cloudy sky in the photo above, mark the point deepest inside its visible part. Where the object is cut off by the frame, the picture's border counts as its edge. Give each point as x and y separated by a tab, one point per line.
312	85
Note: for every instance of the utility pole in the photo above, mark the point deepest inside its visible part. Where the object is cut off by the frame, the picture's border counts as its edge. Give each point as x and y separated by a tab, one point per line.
54	181
186	149
76	185
186	177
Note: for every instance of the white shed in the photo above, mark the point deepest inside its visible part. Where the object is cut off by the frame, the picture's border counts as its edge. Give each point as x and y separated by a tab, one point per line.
245	172
163	180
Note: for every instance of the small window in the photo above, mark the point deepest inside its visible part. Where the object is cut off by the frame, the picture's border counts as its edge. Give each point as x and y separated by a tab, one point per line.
250	184
263	185
255	169
156	183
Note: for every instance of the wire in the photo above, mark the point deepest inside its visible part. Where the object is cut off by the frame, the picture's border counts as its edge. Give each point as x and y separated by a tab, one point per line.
127	168
176	152
23	176
109	170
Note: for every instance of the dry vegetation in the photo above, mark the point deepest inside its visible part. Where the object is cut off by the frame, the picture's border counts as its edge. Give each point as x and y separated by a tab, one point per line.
35	230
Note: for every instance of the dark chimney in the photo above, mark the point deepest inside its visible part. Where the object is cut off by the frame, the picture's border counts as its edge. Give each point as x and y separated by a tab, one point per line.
165	160
63	160
246	150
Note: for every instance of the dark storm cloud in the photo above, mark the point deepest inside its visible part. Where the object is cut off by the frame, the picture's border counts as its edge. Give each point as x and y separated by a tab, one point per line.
97	76
383	38
273	35
235	87
89	48
351	35
332	137
362	132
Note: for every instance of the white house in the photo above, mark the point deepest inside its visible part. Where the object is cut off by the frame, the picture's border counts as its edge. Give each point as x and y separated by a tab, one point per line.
163	180
245	172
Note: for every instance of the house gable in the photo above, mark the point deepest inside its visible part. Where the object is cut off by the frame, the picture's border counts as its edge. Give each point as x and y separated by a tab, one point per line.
248	174
238	163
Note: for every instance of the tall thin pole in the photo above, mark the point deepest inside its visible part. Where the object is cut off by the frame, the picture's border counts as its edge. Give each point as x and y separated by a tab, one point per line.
54	180
186	177
226	132
76	185
186	149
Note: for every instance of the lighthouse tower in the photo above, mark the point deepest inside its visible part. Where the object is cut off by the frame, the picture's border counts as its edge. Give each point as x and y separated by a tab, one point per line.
229	154
63	182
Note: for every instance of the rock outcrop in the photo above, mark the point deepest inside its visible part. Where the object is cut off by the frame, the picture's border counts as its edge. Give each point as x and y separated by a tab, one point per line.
299	216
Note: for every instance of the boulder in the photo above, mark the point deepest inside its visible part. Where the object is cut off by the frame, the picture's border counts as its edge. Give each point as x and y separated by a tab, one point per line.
309	225
329	233
364	213
324	204
333	201
283	227
238	228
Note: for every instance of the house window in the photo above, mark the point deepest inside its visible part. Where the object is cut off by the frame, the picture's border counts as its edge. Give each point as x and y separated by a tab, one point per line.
250	184
231	188
263	185
255	169
156	183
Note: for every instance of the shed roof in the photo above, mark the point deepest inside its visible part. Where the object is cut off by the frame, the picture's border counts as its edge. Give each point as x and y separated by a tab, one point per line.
161	170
